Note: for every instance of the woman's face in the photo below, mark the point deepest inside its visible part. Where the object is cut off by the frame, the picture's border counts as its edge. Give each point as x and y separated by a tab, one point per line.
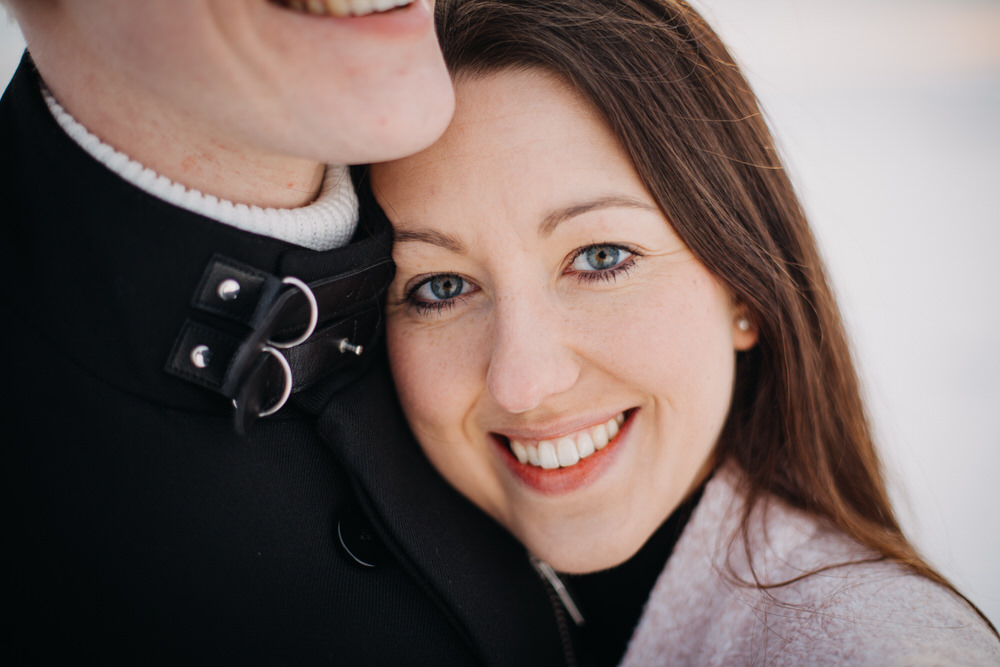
564	360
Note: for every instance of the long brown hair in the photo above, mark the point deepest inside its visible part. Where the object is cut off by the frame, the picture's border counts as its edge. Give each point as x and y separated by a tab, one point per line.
671	93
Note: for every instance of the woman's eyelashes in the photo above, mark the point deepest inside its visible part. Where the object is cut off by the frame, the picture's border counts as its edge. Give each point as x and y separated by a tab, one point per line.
604	261
598	262
438	292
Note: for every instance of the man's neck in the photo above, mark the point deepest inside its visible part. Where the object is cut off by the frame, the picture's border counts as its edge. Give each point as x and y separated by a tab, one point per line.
181	149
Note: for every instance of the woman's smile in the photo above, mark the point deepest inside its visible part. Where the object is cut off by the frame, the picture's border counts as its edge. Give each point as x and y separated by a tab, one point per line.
566	450
560	464
564	360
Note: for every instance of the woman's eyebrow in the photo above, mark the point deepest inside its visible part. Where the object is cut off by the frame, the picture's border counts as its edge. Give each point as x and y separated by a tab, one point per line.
431	236
547	226
553	219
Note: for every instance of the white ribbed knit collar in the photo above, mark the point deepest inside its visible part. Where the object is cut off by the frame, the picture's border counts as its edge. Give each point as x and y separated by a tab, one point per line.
326	223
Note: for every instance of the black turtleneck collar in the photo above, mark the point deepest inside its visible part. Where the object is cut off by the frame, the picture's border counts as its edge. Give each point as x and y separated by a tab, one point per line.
612	600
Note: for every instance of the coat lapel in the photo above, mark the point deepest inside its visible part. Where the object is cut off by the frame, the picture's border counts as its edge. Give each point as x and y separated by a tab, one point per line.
473	567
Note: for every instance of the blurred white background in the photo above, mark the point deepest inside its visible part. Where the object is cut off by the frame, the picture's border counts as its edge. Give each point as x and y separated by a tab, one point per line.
887	113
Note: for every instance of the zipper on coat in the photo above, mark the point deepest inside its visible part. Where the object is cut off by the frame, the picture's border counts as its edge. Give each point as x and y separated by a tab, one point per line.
562	603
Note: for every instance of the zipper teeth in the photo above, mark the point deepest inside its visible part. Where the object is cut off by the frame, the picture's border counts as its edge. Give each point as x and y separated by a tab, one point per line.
550	574
564	635
558	598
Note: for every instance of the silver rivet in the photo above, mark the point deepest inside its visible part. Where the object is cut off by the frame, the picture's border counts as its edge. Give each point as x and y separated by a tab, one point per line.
201	356
347	346
228	290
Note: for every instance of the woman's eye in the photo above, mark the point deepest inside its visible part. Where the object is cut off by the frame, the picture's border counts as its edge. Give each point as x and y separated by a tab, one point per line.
600	258
440	288
438	293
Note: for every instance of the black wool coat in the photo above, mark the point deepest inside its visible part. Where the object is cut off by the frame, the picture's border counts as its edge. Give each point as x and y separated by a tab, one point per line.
140	528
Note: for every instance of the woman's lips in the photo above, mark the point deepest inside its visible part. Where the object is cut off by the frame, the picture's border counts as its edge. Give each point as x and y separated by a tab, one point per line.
567	450
570	462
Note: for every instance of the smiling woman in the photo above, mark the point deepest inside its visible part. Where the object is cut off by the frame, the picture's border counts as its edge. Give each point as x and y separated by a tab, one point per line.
611	330
531	369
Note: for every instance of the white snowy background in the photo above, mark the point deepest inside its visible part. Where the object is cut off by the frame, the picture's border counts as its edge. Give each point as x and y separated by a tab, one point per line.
888	114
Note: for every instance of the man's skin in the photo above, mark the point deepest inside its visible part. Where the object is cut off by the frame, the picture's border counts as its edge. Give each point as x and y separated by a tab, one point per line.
245	100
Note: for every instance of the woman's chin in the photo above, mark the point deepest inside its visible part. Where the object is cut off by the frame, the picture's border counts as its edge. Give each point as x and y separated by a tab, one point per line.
584	555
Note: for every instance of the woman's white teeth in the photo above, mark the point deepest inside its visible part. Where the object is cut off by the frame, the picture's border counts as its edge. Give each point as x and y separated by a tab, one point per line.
547	457
600	436
568	450
344	7
533	457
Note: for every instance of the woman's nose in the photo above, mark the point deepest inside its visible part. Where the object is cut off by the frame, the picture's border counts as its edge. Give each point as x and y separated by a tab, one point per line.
531	359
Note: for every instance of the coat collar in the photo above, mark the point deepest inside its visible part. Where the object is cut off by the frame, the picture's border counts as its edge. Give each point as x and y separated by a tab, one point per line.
707	597
144	258
442	531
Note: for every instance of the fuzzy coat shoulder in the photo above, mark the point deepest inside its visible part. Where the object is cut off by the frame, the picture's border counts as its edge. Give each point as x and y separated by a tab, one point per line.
705	610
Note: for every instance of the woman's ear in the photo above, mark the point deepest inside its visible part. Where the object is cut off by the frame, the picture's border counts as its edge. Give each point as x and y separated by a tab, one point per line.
744	329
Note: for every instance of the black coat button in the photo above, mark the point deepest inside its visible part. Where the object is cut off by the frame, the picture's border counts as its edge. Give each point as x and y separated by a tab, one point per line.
358	540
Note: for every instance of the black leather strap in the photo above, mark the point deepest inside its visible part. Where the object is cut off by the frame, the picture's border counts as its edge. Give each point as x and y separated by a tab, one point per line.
256	288
268	311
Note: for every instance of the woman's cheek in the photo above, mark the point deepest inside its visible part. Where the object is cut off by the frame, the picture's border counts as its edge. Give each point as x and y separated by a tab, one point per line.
426	370
405	360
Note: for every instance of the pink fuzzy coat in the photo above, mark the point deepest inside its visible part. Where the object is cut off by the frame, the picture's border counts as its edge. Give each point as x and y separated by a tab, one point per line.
873	613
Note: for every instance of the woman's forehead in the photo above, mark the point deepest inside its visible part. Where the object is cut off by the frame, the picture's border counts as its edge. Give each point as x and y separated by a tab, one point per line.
519	141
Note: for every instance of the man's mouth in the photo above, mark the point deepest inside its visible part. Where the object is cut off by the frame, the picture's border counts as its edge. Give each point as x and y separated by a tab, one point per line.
342	8
567	450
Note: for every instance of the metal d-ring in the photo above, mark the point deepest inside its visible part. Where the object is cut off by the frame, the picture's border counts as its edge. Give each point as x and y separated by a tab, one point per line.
313	315
287	369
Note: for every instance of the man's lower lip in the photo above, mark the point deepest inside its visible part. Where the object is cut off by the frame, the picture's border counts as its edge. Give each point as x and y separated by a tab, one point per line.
564	480
413	19
341	8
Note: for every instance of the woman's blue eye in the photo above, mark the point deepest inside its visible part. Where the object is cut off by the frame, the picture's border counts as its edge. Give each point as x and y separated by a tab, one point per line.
600	258
440	288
